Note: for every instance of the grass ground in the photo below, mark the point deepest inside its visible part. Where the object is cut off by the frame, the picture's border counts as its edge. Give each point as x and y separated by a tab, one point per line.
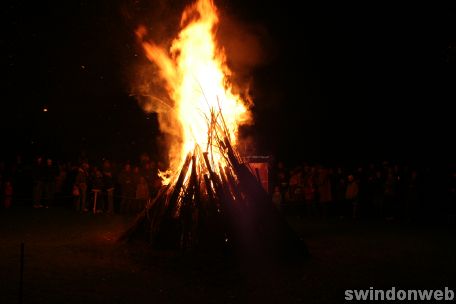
74	258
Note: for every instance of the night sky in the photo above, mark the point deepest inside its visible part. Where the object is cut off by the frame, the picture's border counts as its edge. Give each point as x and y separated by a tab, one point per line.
340	83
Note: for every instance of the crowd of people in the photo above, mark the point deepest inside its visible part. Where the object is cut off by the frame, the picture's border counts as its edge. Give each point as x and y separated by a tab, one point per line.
382	190
99	187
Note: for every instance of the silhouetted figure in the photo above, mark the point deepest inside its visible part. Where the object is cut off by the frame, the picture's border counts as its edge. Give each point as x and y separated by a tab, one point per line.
97	190
352	195
411	196
81	182
60	180
339	188
108	183
309	190
295	186
128	188
20	180
142	194
282	179
38	182
49	176
378	194
277	198
7	194
324	191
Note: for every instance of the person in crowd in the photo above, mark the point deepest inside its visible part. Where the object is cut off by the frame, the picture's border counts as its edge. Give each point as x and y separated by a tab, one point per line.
400	190
352	195
309	190
282	180
361	178
97	190
7	196
294	185
38	182
146	171
368	202
144	159
390	194
142	194
324	191
49	177
60	180
339	189
19	179
82	183
277	198
108	183
128	188
411	195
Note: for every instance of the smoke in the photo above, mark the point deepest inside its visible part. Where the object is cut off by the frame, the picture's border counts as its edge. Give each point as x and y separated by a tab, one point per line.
156	20
247	46
151	96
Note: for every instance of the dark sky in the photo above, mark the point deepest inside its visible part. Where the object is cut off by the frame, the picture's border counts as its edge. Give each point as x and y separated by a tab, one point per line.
338	83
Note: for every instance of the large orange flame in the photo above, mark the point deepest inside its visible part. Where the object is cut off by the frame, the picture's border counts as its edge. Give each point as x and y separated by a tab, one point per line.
196	77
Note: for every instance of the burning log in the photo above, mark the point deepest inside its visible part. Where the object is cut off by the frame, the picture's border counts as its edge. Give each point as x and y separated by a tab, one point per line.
229	208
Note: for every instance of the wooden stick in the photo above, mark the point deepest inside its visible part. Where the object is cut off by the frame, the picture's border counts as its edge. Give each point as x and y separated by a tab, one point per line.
234	161
225	184
214	177
233	184
210	194
180	181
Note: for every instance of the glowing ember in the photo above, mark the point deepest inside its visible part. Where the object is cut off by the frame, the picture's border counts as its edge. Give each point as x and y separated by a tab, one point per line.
195	74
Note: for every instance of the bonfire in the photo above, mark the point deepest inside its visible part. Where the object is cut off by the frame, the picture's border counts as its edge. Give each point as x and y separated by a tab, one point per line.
209	197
